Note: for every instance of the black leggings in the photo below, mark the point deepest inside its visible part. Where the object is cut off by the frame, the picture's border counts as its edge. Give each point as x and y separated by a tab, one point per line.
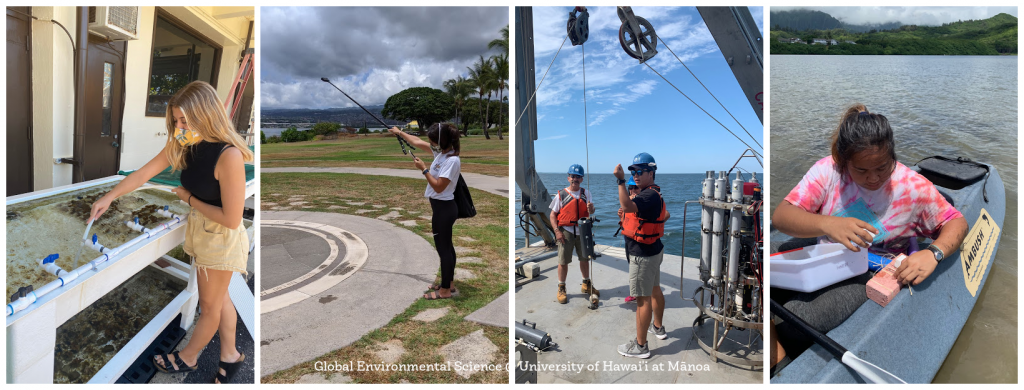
445	214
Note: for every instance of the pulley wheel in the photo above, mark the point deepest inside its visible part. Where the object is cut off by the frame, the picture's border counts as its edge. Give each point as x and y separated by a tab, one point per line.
582	28
641	46
570	28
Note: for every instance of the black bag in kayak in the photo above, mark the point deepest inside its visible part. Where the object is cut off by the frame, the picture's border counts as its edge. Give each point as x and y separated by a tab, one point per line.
954	173
464	200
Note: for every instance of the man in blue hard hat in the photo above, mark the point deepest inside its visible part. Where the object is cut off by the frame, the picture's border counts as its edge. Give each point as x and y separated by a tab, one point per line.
568	206
643	224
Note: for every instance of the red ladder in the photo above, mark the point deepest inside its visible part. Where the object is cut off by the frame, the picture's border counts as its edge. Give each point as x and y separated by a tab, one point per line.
241	81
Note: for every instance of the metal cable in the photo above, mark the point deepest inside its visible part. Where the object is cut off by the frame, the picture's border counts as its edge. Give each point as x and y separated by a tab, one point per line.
709	92
542	79
702	109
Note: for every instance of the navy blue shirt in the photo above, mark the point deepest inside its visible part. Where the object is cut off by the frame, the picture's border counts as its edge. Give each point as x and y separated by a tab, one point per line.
648	204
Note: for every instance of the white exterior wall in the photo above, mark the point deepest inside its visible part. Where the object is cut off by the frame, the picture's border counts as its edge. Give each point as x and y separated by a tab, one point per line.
53	96
142	137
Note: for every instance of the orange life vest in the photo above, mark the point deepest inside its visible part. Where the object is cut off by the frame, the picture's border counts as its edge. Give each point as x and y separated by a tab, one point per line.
572	208
642	230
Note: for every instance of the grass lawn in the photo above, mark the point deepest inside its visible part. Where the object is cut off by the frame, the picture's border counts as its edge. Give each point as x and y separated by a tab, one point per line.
487	235
478	155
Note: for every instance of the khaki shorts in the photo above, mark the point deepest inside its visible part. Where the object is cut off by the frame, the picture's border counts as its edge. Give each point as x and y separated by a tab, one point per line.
213	246
565	250
644	274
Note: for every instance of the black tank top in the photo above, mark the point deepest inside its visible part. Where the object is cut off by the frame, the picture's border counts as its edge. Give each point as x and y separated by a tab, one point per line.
197	177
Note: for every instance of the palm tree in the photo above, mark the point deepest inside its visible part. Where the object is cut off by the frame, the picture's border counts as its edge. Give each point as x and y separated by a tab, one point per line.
501	79
491	86
478	80
459	89
501	43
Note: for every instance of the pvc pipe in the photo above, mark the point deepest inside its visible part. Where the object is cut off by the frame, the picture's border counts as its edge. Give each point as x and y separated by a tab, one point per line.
47	264
167	213
95	245
28	300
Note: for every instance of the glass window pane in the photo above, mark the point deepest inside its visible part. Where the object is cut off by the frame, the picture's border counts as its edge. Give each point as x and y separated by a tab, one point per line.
108	77
178	59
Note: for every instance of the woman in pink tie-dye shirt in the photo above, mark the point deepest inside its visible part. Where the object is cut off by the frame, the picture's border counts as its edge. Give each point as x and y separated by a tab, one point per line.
861	181
860	196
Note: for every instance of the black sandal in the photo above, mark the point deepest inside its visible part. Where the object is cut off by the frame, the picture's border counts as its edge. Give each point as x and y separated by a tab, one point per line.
169	368
230	369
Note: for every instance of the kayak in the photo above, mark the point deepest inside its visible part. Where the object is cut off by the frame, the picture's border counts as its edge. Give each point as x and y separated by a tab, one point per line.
912	335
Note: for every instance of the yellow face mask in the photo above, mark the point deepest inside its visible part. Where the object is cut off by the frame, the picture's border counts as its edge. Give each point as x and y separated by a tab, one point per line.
187	137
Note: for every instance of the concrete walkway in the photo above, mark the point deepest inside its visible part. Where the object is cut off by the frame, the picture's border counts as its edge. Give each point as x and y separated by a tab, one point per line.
587	336
492	184
399	267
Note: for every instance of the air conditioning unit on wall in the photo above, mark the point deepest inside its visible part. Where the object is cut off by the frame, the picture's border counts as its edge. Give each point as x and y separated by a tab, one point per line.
115	23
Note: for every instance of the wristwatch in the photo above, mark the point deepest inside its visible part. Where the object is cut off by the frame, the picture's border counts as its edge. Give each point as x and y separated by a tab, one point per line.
622	181
937	252
426	170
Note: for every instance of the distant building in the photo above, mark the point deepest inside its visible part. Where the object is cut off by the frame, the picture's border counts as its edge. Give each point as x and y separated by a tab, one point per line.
412	125
821	41
792	40
851	42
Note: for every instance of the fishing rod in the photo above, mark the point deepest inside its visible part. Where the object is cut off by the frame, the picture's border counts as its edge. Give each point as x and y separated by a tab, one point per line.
401	142
870	371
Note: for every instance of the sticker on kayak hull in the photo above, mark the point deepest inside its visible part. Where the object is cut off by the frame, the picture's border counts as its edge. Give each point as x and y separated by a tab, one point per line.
976	251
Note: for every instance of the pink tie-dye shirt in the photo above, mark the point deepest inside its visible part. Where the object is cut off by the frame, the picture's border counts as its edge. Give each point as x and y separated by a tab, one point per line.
907	206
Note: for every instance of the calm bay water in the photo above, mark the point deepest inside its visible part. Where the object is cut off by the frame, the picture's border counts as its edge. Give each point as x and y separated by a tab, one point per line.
937	105
676	188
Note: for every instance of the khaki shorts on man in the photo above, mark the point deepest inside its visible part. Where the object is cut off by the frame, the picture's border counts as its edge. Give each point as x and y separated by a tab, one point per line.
565	249
644	274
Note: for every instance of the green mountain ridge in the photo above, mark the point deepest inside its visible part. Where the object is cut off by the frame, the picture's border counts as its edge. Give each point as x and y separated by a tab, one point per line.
993	36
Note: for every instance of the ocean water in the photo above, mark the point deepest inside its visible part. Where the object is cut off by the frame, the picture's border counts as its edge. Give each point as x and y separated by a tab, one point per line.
676	188
937	105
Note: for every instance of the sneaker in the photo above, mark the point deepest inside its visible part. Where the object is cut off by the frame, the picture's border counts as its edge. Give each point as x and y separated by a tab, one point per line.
630	299
658	332
562	297
587	287
632	349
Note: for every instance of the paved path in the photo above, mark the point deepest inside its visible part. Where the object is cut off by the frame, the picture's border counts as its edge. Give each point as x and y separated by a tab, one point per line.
492	184
399	267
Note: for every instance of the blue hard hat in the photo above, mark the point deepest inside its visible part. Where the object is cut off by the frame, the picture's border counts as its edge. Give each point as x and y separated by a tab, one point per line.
644	161
630	182
576	169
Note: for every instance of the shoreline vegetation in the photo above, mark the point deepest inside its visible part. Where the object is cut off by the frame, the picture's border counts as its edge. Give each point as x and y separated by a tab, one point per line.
816	33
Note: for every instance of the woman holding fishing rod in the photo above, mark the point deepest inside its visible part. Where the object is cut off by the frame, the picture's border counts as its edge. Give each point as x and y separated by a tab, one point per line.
441	179
204	146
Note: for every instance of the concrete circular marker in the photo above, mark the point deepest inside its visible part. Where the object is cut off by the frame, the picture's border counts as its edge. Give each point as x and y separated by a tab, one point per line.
317	298
346	253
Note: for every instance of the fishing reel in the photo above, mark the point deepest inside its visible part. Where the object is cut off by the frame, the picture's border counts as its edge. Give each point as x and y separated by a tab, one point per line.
578	26
636	35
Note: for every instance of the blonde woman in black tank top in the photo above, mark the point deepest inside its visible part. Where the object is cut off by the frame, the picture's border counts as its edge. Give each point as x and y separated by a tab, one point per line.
203	144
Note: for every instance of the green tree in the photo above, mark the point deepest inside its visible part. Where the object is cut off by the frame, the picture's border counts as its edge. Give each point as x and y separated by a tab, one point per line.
424	104
459	89
501	82
263	137
478	78
501	43
325	128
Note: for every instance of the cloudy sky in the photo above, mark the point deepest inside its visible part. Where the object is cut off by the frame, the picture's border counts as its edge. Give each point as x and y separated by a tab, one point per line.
370	53
629	109
924	16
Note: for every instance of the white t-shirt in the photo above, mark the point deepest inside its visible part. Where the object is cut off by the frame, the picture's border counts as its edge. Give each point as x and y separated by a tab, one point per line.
556	204
447	166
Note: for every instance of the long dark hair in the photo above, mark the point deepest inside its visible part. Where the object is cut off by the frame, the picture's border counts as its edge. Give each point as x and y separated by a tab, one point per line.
445	135
861	130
